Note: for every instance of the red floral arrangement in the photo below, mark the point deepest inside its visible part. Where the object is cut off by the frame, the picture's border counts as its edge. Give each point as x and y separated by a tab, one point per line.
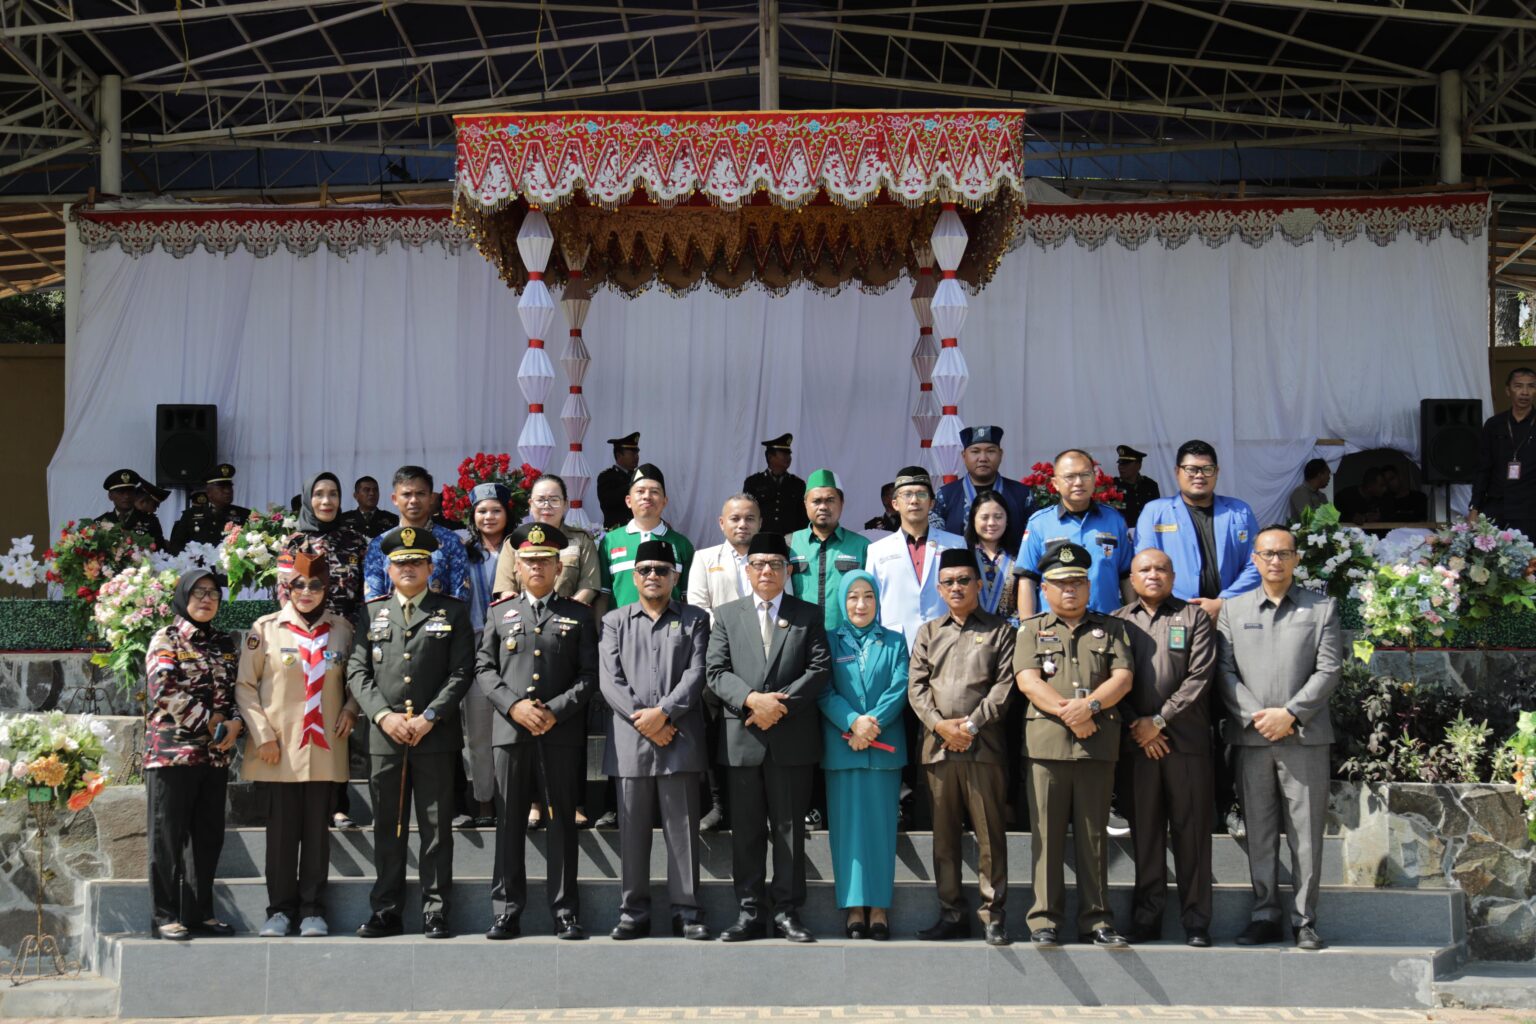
1039	482
88	554
482	468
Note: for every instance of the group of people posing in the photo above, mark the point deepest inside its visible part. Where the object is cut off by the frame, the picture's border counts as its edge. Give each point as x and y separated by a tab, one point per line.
1042	648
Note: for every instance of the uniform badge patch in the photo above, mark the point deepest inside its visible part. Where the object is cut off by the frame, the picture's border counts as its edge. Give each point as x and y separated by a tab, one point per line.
1165	527
253	641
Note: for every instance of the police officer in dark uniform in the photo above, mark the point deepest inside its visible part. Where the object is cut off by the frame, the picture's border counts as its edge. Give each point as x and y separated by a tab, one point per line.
1138	489
538	666
1074	666
204	521
122	487
779	493
613	482
415	647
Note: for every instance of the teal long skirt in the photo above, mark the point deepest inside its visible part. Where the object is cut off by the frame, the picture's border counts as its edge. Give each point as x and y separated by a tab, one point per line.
862	805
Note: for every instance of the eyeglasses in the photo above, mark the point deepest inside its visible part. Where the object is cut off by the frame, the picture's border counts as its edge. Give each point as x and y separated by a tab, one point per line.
1073	478
652	570
957	581
1282	555
204	594
912	496
777	565
311	586
1199	470
548	502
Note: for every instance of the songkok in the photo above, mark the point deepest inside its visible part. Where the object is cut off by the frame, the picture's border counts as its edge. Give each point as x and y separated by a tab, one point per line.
956	558
122	478
768	544
981	435
1067	561
914	476
537	540
656	551
647	471
485	492
407	542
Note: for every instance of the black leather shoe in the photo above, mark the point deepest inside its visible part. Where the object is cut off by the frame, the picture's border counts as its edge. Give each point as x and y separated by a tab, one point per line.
880	931
505	926
215	927
435	926
1044	937
1199	938
856	929
997	934
626	930
698	931
380	926
1108	938
1307	938
746	929
814	821
944	929
1261	933
788	926
1143	933
566	927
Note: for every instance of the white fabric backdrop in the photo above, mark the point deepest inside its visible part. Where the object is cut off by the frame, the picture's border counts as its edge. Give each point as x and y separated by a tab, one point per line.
359	364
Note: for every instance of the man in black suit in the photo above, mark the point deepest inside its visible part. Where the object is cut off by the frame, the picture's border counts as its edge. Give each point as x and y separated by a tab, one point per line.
538	666
768	663
419	647
613	482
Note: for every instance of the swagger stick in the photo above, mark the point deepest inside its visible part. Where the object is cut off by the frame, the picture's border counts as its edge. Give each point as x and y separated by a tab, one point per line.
538	746
405	766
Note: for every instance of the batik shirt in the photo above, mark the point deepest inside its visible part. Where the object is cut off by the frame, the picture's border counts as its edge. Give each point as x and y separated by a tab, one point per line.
343	549
450	568
190	677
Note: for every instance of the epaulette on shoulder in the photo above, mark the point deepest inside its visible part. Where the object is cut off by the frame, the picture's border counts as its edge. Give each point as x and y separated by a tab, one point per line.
375	600
501	600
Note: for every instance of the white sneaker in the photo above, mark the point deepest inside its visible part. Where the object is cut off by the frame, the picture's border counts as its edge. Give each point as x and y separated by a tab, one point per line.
313	927
1117	827
276	927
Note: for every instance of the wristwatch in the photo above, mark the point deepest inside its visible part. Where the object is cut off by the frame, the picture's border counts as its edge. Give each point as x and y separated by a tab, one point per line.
430	715
1160	722
1094	706
971	727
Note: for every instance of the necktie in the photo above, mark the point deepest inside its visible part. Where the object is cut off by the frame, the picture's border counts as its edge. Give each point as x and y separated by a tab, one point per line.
409	607
821	576
767	625
538	607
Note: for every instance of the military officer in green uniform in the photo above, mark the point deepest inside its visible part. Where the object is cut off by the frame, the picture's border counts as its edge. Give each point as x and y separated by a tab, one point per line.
1074	666
123	487
779	493
204	521
414	646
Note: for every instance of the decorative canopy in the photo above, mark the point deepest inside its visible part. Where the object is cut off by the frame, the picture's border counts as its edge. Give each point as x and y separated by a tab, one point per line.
824	197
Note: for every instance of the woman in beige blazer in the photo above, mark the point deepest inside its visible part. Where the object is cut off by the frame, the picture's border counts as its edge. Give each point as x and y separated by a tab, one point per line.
292	695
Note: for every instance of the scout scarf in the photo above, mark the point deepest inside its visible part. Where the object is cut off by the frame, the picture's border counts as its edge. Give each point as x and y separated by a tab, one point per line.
994	577
312	645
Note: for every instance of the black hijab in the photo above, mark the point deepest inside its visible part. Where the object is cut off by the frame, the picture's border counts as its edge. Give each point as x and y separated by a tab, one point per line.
308	521
183	597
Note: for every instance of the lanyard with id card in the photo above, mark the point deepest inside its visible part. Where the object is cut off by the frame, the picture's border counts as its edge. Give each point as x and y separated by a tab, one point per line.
1178	638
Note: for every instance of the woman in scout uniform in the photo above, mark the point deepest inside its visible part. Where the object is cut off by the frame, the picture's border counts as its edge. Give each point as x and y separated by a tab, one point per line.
191	726
984	530
293	699
864	706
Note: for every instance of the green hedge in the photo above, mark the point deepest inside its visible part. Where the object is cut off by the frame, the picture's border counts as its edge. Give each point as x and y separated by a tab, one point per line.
30	625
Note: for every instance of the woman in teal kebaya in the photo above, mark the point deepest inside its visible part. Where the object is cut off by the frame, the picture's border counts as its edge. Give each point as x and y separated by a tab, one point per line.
866	748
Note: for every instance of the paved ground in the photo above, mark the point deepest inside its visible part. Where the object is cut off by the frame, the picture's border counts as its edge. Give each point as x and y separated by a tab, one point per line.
883	1015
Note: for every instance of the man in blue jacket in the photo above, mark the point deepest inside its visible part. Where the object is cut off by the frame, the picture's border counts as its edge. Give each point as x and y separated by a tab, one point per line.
1209	538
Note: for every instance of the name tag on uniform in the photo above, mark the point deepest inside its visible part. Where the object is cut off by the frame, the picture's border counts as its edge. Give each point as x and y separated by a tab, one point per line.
1512	471
716	568
844	661
438	628
845	563
1253	625
1178	638
1165	527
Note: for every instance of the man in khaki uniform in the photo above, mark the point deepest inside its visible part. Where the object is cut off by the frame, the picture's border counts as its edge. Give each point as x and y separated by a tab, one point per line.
1074	665
959	682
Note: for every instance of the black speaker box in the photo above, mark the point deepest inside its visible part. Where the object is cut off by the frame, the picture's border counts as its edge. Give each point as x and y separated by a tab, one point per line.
1448	433
186	444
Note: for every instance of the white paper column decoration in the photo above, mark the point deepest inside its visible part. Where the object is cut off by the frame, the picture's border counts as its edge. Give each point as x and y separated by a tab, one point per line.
950	374
574	415
536	309
925	415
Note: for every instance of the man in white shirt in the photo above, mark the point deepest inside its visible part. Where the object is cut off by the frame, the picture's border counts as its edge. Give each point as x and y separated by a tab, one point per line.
906	564
719	573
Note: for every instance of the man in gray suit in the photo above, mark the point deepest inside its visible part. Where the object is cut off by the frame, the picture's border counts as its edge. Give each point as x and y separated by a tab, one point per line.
651	670
768	663
538	666
1280	657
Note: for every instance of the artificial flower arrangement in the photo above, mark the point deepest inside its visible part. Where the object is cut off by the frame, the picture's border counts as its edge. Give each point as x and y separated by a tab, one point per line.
1496	567
52	758
19	568
1044	489
1335	558
130	608
248	555
87	554
484	468
1400	602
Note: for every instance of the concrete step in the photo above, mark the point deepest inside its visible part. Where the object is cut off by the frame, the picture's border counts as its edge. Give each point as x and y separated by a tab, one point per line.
89	995
244	855
1348	916
247	976
1482	984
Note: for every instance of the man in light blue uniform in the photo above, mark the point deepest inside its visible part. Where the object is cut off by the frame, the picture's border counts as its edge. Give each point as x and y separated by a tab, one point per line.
983	455
1210	539
1078	520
